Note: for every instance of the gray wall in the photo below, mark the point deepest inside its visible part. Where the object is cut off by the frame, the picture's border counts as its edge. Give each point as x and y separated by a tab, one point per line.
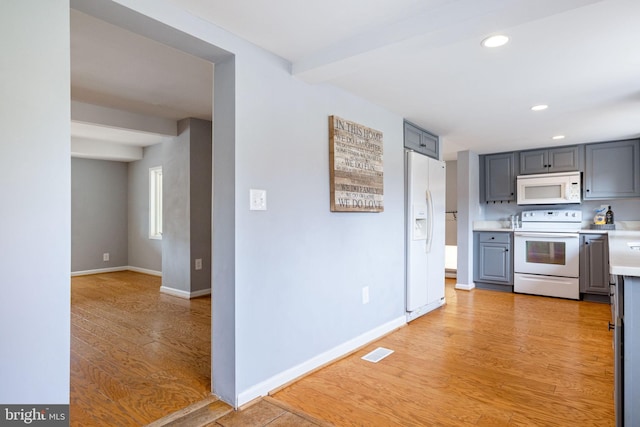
469	210
200	194
35	211
144	253
297	264
186	198
176	245
98	214
451	203
224	365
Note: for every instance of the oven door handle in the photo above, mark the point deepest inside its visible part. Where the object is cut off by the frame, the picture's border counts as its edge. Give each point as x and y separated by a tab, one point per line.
546	235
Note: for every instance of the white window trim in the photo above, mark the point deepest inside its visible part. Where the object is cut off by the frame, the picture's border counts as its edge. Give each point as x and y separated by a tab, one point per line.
155	203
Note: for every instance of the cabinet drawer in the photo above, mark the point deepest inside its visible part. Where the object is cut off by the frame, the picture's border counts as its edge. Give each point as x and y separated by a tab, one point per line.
495	237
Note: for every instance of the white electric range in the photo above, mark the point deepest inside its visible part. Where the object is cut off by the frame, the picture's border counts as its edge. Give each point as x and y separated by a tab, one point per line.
546	253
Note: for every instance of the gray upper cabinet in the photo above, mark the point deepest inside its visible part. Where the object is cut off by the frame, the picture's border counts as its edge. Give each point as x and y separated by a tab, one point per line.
499	177
561	159
612	170
418	139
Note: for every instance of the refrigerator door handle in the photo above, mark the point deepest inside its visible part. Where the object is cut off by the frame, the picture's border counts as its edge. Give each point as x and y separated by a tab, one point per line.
430	221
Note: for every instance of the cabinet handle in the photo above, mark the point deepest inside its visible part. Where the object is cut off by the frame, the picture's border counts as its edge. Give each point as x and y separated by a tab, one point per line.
611	326
506	250
587	190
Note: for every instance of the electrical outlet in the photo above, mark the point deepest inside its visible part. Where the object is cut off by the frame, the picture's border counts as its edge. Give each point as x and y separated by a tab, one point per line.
257	200
365	295
198	263
105	256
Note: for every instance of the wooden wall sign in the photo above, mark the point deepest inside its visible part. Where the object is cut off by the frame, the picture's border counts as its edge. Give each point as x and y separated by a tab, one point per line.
355	167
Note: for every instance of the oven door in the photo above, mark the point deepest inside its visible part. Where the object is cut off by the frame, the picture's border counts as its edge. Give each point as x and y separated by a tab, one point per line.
549	254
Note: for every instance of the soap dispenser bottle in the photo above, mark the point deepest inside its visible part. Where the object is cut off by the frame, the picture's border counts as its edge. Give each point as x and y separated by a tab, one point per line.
609	216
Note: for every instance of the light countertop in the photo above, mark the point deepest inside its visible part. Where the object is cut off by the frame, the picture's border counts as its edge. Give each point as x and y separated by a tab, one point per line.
506	226
492	226
622	260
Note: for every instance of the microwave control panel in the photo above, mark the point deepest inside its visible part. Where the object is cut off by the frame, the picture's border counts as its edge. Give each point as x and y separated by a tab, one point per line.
573	191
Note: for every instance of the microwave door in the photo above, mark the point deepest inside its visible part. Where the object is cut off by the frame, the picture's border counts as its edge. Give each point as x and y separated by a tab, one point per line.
530	193
549	189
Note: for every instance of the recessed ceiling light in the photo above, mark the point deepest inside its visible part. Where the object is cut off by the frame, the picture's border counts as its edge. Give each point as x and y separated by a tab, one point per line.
539	107
558	137
495	41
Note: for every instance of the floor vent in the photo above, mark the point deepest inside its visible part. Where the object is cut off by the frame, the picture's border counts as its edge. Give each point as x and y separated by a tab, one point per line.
377	355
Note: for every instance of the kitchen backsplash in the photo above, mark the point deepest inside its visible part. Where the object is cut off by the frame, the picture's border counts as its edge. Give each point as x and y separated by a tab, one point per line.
623	209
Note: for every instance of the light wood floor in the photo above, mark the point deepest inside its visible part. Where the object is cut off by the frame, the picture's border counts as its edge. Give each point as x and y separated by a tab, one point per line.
136	354
485	359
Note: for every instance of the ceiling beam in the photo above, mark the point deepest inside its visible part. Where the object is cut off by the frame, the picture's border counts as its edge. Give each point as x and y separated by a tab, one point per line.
91	149
443	23
110	117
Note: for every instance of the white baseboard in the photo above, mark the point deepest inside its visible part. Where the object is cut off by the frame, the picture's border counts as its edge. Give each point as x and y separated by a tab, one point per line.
263	388
145	271
465	287
113	269
451	274
184	294
99	270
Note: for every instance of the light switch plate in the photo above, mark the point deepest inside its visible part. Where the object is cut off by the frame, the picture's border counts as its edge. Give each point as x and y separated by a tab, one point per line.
257	200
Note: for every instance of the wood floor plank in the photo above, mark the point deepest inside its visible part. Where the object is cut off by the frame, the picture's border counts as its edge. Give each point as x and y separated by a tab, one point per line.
136	354
485	359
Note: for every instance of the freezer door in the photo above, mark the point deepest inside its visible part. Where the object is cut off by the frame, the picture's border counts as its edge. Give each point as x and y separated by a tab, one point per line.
417	232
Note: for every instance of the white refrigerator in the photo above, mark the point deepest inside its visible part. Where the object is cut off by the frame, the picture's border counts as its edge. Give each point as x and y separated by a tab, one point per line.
424	235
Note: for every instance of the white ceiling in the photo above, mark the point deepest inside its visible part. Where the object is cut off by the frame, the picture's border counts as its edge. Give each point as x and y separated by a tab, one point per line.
419	58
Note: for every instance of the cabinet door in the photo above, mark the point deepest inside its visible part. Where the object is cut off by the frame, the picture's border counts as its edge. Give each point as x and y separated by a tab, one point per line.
561	159
420	140
412	137
494	263
532	162
594	264
612	170
564	159
499	177
430	145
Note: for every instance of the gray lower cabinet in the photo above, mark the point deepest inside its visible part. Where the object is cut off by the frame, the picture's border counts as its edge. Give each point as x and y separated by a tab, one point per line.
493	260
561	159
612	170
594	264
418	139
499	174
627	351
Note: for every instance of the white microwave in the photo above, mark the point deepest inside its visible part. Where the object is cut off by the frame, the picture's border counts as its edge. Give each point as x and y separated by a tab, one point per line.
548	188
